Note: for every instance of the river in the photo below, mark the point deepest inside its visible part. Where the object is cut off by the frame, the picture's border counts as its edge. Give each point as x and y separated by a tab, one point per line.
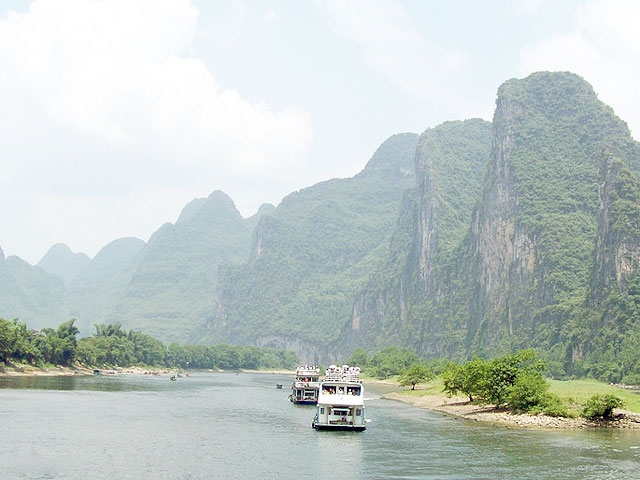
228	426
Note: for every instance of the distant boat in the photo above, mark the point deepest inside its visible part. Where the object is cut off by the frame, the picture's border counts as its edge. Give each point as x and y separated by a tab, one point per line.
279	386
173	378
305	385
97	372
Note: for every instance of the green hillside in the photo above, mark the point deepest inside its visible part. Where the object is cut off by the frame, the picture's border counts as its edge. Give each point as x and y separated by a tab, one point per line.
29	292
310	256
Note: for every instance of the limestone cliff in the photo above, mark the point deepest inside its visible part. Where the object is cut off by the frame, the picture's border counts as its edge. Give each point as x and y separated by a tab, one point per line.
515	271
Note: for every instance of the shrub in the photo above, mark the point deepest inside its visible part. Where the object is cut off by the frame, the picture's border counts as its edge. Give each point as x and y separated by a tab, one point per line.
601	407
552	406
555	408
528	391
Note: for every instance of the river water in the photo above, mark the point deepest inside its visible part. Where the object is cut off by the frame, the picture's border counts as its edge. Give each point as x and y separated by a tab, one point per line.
228	426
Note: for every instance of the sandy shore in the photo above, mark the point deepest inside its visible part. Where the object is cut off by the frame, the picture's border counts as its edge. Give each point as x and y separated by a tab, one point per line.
31	371
459	407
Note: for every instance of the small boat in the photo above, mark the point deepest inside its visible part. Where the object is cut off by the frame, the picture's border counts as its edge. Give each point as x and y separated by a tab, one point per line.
279	386
304	389
97	372
340	400
173	378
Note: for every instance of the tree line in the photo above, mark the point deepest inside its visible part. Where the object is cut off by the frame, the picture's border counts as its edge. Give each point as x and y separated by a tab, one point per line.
111	345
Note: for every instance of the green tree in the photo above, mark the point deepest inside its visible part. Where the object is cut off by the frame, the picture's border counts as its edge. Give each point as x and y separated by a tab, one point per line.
416	373
358	358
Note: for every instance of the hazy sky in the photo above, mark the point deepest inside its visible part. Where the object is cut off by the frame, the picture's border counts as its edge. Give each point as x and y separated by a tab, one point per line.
116	113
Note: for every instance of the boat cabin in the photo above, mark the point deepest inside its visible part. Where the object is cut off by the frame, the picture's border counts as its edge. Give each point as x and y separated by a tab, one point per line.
340	401
305	386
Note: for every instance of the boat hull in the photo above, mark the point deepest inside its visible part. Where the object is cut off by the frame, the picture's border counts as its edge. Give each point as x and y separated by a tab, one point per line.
357	428
305	402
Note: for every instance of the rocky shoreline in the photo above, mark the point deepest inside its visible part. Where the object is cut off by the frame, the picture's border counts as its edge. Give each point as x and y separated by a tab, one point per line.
459	407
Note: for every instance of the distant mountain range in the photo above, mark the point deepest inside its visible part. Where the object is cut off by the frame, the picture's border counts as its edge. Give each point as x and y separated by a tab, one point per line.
473	238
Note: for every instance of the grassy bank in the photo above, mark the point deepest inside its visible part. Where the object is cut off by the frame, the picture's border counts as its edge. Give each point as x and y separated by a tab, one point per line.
575	392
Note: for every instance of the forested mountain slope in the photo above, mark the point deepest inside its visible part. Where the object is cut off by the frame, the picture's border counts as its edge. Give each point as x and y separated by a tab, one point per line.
393	309
310	256
172	288
28	291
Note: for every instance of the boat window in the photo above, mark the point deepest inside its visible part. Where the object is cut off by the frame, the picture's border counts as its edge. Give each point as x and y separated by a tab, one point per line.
341	390
358	412
353	390
322	410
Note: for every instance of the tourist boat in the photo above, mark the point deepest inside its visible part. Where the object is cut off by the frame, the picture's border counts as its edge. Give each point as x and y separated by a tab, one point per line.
305	386
340	400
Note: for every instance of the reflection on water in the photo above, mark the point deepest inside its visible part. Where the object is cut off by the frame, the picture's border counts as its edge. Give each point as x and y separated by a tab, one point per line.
110	383
241	426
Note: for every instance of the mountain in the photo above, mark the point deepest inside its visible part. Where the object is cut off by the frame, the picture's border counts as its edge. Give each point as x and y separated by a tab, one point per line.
252	221
61	261
171	286
29	293
450	164
165	287
310	255
472	238
536	241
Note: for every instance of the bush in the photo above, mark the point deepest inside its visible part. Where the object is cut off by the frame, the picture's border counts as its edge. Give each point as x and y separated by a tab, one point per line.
601	407
552	406
528	391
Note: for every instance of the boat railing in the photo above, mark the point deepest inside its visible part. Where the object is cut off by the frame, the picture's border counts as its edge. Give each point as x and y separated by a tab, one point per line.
342	377
305	384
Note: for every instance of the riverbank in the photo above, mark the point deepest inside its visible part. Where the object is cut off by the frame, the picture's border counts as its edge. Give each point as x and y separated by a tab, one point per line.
16	370
460	408
430	397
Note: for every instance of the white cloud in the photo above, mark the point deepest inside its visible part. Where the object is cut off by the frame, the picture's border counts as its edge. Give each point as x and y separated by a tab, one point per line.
602	39
397	49
102	106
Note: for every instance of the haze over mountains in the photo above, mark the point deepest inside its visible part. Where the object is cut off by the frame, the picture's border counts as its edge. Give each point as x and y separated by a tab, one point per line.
473	238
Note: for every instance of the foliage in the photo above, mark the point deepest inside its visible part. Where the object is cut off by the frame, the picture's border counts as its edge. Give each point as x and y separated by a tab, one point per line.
515	380
358	358
601	407
36	348
111	346
391	361
527	392
416	373
468	379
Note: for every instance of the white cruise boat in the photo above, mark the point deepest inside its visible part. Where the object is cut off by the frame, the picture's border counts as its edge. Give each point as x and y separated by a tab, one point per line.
305	386
340	400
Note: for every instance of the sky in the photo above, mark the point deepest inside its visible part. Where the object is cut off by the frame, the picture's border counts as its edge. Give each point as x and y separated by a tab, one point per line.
116	113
